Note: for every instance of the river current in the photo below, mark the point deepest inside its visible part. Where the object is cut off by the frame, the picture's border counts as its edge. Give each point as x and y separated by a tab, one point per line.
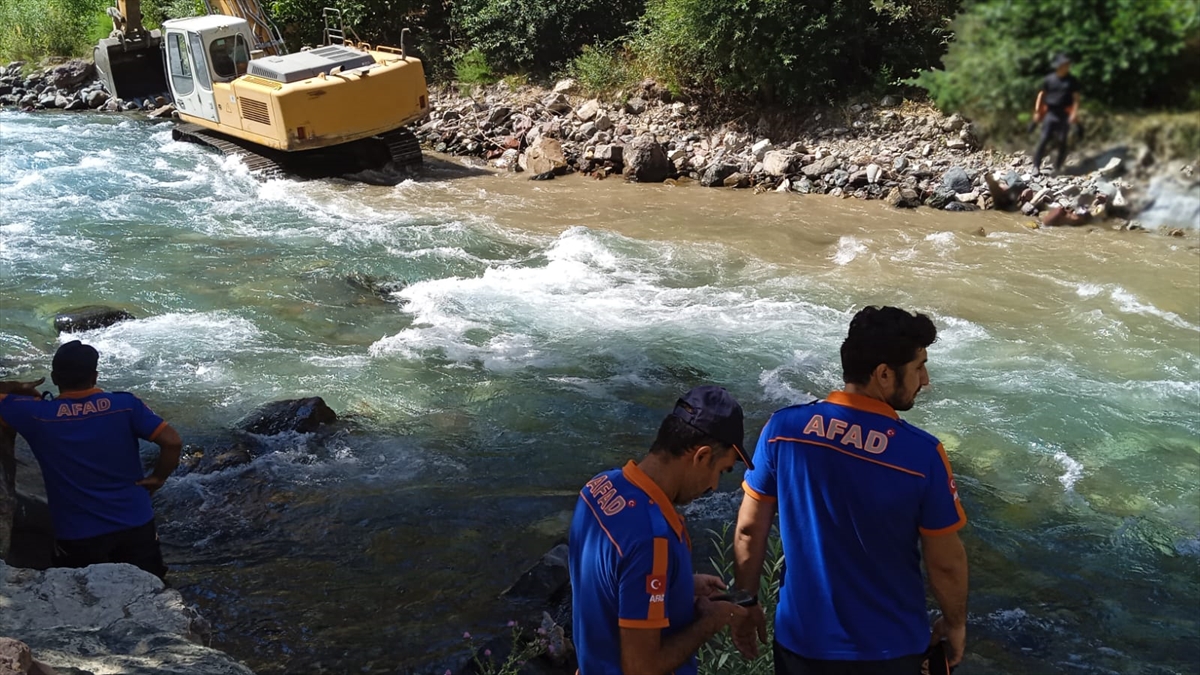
535	335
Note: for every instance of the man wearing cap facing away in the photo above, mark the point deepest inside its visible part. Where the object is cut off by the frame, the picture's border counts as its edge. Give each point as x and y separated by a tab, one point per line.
638	608
863	497
86	442
1057	108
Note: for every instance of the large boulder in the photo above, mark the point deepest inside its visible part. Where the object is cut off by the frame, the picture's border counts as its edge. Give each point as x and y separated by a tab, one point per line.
956	179
820	167
646	161
111	618
90	317
546	580
302	415
71	74
779	162
544	155
716	173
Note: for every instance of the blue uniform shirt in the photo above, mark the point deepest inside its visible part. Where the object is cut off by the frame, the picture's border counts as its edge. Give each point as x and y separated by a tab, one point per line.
87	445
631	567
856	487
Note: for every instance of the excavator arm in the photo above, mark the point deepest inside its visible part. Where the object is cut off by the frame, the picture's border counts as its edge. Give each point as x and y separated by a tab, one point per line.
267	38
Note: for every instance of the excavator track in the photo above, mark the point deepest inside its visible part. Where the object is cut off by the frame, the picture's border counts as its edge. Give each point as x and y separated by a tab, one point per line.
385	159
258	164
404	148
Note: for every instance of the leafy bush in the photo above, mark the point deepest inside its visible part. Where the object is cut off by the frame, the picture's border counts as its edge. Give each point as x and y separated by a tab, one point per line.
603	69
719	656
1127	54
473	68
781	51
37	28
539	35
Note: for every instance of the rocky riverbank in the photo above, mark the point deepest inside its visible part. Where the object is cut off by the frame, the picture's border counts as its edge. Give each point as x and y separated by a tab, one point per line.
906	154
72	85
102	619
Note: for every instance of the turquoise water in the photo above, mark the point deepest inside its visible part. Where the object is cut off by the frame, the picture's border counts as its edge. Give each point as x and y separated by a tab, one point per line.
538	335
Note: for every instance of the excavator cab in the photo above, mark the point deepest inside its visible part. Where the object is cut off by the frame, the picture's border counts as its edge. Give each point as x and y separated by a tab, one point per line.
130	59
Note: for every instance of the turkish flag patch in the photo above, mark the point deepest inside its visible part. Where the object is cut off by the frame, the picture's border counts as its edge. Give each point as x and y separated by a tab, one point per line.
656	584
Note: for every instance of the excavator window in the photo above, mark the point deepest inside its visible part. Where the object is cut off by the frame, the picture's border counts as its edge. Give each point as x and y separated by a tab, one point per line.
230	57
180	65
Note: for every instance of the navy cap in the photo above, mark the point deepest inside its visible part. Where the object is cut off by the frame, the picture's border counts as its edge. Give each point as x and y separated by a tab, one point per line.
1060	60
712	410
75	358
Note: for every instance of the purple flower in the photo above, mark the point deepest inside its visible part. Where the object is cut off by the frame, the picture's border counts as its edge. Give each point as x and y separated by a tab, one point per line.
466	636
448	672
511	623
487	653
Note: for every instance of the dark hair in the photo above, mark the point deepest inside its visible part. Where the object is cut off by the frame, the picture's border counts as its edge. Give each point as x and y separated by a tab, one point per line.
676	437
73	380
887	335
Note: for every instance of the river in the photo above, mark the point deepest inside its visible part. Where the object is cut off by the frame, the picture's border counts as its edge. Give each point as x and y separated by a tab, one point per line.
541	332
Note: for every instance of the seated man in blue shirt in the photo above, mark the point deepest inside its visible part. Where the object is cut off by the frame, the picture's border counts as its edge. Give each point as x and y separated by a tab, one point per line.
86	442
638	609
862	497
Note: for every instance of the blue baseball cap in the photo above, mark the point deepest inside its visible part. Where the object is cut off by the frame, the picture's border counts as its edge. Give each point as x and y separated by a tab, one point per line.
713	410
75	359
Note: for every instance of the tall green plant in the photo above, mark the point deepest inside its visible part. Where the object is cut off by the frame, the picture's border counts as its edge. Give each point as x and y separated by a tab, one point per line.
1127	53
719	656
37	28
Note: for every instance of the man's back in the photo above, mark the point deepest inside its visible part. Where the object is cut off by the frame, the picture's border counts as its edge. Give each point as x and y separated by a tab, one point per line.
856	486
630	567
86	443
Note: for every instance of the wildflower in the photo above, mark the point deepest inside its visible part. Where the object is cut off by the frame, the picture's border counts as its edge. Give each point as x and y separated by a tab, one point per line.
511	623
487	653
466	636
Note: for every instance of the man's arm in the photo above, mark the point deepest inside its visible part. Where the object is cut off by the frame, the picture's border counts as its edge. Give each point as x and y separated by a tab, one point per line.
1074	108
170	447
749	552
645	652
946	563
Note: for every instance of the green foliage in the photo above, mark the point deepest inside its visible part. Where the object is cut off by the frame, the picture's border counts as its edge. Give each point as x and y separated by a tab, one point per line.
539	35
603	69
1128	53
781	51
524	648
719	656
37	28
473	68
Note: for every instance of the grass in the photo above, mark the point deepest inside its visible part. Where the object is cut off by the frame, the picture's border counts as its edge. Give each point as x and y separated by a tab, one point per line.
604	69
719	657
34	29
472	68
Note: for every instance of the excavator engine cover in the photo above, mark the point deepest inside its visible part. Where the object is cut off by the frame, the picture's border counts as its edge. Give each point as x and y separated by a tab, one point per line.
132	69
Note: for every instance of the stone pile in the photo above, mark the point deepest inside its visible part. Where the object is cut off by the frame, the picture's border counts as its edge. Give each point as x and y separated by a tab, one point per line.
905	154
69	86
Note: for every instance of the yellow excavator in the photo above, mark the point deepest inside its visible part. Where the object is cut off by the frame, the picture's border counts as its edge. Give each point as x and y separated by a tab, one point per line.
337	109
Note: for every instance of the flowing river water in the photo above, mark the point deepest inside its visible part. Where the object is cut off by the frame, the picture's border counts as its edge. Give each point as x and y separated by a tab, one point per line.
540	333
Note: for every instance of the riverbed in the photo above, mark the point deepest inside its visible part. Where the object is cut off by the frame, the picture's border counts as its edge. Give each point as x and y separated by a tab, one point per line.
537	332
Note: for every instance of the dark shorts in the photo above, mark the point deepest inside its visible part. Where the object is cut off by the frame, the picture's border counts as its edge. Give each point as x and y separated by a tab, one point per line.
137	546
787	663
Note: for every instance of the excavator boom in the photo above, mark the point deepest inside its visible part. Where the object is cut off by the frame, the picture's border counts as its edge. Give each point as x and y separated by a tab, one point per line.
267	37
130	59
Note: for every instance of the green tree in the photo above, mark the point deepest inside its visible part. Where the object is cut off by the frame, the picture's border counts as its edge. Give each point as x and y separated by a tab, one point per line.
1127	54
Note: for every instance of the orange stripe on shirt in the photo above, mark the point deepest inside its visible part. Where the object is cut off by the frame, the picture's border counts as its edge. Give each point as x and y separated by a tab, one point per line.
658	610
755	494
643	623
848	453
601	524
953	488
157	430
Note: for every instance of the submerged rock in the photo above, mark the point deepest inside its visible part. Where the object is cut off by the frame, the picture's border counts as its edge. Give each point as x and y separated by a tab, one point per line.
546	580
111	618
90	317
303	415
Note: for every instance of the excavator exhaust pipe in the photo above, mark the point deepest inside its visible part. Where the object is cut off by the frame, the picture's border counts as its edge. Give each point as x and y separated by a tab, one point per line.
132	69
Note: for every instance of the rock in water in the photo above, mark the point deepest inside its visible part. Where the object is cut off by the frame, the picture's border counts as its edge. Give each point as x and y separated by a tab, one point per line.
110	618
546	580
90	317
779	162
646	161
545	154
716	174
303	415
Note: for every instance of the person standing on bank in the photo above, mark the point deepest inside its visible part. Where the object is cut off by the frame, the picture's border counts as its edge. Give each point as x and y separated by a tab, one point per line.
638	608
1057	108
86	442
857	489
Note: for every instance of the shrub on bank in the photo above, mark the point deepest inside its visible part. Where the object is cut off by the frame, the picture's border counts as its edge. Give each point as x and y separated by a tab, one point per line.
1127	55
37	28
719	656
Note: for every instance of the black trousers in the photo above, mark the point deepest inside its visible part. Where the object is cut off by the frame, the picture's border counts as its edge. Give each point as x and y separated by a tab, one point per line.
137	546
1056	128
787	663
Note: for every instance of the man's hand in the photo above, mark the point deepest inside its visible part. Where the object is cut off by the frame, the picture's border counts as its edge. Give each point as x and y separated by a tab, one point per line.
23	388
955	637
717	614
152	483
749	631
707	585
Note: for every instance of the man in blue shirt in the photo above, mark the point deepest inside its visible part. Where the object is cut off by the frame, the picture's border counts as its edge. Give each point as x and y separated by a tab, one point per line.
857	489
638	609
86	442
